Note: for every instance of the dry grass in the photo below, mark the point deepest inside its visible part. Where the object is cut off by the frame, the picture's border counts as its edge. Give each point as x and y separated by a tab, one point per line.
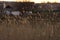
33	27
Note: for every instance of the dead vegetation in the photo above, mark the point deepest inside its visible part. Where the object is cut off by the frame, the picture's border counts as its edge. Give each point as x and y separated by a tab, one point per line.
40	26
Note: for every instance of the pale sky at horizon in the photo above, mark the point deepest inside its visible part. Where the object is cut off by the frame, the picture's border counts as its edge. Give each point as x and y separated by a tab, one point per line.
36	1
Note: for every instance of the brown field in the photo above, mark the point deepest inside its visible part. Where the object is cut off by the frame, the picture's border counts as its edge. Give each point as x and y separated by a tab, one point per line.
40	26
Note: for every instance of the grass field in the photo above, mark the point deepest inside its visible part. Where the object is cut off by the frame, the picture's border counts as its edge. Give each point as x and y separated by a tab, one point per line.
38	26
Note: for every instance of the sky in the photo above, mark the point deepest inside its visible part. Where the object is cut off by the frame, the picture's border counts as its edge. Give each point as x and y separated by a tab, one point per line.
36	1
39	1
